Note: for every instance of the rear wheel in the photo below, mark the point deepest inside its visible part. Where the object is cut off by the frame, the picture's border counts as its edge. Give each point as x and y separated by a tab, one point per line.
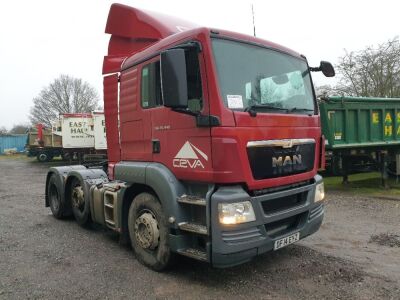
43	157
79	202
65	156
148	230
54	197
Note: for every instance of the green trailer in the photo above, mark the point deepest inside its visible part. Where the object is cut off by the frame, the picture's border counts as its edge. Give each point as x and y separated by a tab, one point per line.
361	134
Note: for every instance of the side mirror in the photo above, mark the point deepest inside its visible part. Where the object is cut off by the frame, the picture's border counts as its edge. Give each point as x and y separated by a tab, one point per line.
174	79
326	68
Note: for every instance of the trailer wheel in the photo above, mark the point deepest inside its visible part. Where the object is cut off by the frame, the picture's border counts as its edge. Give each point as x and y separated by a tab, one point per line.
43	156
65	156
79	202
148	230
54	196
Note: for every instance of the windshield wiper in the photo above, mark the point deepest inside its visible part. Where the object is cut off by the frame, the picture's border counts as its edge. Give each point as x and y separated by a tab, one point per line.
300	109
252	108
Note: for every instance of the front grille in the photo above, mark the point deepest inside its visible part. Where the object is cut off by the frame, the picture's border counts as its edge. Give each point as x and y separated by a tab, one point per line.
274	161
242	236
283	203
284	226
281	188
316	212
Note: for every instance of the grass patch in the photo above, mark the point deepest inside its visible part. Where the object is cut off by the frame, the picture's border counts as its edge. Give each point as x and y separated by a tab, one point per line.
17	156
363	183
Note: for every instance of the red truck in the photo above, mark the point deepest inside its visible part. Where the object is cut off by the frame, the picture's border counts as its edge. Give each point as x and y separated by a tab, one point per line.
214	142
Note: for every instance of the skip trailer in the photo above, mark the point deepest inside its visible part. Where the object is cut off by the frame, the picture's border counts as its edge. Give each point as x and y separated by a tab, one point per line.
214	142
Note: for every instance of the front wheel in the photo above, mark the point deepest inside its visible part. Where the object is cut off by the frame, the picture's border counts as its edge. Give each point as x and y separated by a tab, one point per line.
148	230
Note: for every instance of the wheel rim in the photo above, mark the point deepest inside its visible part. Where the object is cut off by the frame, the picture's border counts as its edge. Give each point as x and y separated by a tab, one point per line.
42	157
147	231
54	197
78	198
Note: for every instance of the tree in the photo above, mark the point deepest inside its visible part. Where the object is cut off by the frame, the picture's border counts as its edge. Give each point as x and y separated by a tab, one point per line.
3	130
19	129
64	95
371	72
323	91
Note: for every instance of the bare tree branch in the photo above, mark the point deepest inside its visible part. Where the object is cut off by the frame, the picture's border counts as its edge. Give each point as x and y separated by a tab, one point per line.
64	95
371	72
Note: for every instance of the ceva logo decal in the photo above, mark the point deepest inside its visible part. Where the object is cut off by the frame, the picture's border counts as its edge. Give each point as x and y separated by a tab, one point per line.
188	157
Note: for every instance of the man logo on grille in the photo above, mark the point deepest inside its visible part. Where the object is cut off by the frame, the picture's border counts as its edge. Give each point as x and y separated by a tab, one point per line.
282	161
188	157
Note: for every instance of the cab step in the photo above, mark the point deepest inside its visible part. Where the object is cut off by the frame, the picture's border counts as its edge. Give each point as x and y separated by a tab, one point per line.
194	253
193	227
193	200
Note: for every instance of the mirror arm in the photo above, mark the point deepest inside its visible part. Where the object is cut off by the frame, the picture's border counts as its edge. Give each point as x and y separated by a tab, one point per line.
207	121
318	69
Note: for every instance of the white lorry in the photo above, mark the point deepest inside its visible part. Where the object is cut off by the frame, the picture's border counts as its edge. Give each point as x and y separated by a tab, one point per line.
71	136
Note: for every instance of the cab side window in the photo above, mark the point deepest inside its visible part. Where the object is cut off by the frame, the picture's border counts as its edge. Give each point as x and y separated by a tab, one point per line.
151	85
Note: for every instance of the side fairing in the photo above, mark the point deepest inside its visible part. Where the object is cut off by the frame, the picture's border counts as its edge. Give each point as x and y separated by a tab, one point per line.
111	86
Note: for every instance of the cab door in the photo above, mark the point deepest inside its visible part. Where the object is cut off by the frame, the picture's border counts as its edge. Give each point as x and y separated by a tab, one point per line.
180	144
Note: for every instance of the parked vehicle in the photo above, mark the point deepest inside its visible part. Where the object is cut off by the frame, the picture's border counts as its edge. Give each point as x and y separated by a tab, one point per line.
72	136
214	142
99	123
43	144
362	134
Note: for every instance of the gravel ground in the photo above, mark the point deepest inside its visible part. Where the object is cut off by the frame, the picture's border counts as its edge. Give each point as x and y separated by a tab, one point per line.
355	255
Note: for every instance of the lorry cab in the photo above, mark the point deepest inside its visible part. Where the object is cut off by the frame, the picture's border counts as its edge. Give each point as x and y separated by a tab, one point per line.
230	105
214	143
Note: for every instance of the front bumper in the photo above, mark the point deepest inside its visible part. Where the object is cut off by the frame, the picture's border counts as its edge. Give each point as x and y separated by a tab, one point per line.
278	214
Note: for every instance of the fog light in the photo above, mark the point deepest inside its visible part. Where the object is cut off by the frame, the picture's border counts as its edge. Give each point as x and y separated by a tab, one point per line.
319	192
236	213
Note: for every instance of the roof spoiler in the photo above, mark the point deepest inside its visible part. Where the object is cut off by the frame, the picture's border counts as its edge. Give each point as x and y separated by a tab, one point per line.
132	30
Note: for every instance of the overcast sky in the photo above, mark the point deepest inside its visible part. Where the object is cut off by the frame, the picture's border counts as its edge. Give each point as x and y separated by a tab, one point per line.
39	40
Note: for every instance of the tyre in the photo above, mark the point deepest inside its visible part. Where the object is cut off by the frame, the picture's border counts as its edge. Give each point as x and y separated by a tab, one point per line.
79	202
54	197
148	231
65	156
43	156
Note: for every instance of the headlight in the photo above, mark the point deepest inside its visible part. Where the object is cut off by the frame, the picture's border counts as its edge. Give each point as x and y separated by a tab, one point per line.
236	213
319	192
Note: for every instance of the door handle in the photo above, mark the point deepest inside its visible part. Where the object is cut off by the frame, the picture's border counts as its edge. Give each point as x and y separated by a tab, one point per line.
156	146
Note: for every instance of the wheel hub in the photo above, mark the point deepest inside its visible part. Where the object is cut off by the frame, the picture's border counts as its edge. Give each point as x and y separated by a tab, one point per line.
147	231
78	197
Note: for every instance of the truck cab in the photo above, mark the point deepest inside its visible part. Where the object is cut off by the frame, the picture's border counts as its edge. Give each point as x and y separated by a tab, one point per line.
214	143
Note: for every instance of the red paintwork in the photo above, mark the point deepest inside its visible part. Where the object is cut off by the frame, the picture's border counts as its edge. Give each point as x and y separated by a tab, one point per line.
40	131
322	155
110	85
78	115
132	30
225	146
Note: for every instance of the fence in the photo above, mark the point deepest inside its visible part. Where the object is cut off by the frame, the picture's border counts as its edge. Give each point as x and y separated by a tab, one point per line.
16	142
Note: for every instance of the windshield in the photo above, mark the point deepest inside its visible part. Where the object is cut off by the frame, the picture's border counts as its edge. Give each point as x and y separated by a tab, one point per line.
253	77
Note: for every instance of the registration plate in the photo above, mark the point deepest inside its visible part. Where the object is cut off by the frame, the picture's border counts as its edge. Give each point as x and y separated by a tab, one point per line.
287	240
